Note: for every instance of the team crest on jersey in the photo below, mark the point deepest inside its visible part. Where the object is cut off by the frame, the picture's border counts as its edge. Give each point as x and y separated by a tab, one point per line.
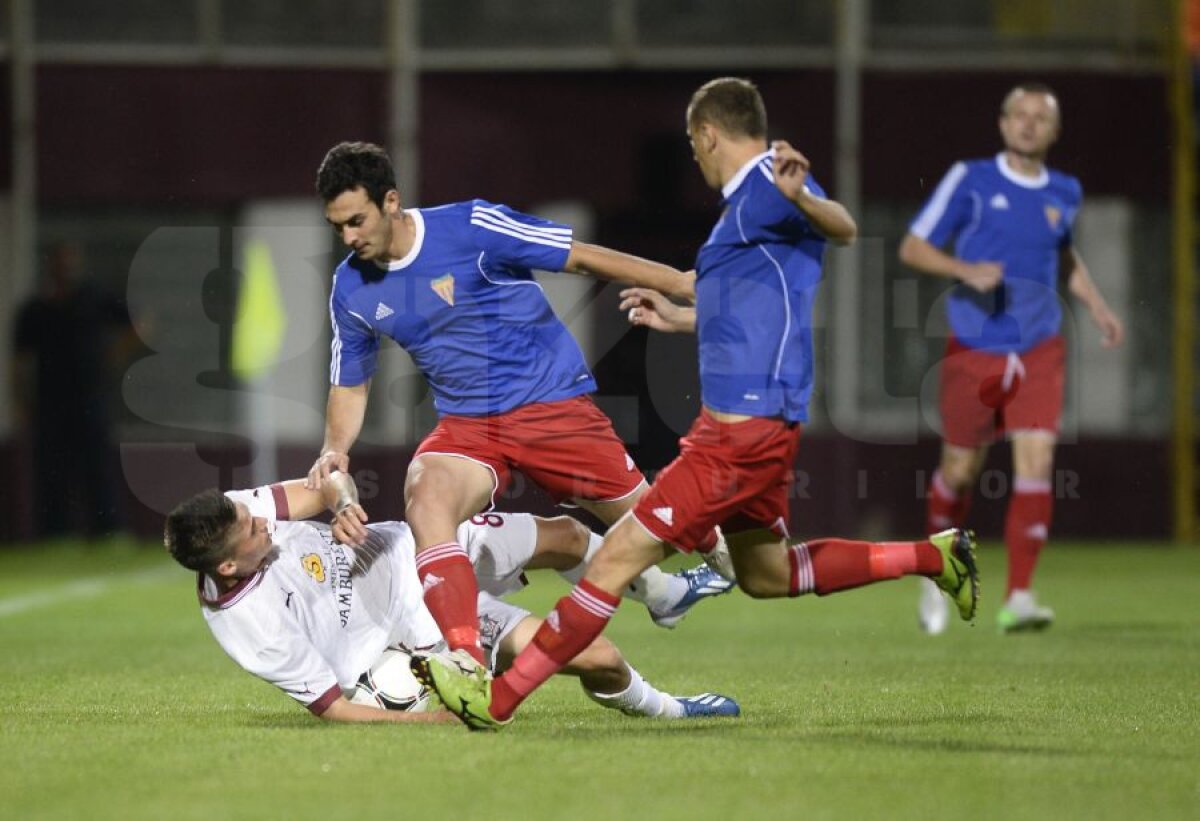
443	286
1053	215
313	566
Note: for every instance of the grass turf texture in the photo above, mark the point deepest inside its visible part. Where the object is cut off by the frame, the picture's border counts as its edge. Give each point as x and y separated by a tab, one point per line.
115	702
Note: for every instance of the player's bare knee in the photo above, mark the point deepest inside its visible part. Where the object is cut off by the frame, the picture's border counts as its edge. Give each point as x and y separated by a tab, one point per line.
600	667
759	585
576	535
960	468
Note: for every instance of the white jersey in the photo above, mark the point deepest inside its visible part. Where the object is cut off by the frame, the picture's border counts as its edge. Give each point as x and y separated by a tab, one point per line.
319	613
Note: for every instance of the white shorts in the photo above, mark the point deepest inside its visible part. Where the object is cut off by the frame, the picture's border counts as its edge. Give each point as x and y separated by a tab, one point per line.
499	546
496	620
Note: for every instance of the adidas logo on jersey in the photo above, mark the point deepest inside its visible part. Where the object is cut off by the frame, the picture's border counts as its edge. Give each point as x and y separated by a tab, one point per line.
999	201
382	311
432	580
665	515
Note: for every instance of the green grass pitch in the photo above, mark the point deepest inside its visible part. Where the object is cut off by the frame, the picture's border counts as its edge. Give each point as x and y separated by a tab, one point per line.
116	703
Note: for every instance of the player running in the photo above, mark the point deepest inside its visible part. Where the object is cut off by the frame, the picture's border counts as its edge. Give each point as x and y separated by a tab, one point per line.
757	278
1012	221
292	604
454	287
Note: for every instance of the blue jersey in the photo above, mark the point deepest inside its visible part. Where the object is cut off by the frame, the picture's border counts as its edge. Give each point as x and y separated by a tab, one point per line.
995	215
757	276
464	304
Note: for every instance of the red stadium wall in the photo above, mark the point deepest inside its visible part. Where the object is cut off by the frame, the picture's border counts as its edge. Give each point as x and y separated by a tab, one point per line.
216	136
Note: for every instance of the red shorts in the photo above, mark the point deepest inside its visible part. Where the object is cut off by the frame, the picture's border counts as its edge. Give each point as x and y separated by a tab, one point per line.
568	448
731	474
983	395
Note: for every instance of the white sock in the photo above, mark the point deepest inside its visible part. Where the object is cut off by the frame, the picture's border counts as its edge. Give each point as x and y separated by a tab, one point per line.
653	588
640	698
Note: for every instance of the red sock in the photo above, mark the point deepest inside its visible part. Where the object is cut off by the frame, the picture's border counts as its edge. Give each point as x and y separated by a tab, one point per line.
946	507
571	626
451	591
829	565
1025	529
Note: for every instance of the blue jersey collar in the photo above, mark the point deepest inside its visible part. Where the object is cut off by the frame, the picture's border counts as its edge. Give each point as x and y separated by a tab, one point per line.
736	180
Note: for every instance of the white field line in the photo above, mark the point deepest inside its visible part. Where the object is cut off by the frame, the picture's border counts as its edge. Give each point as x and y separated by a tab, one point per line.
85	588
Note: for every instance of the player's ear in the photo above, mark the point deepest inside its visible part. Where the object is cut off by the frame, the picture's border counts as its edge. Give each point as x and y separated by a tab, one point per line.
391	202
227	568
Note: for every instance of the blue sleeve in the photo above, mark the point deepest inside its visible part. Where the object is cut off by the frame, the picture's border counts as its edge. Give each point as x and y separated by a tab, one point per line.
1068	237
947	211
354	346
518	239
769	210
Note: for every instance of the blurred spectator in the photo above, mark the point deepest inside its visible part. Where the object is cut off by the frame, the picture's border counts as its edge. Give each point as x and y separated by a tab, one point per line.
67	338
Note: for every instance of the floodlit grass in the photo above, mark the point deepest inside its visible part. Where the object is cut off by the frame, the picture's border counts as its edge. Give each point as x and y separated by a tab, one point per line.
116	703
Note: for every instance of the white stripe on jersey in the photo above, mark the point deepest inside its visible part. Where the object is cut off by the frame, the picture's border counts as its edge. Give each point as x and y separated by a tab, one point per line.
765	168
787	302
363	320
498	216
483	273
515	229
335	345
928	219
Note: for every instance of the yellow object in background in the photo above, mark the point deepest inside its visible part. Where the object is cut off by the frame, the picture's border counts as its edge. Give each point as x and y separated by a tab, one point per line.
260	323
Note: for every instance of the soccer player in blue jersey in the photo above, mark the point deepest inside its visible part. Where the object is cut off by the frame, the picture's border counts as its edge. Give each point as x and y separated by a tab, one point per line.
454	287
757	277
1011	221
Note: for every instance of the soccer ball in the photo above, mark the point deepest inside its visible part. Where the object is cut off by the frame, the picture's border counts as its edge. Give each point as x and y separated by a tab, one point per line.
390	685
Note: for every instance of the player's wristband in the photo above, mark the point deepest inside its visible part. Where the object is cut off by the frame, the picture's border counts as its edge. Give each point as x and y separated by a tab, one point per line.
347	491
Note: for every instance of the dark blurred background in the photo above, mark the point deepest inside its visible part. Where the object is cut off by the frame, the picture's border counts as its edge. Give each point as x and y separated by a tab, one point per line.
160	143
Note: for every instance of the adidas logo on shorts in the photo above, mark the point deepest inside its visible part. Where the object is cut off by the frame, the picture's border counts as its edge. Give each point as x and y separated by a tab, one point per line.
665	515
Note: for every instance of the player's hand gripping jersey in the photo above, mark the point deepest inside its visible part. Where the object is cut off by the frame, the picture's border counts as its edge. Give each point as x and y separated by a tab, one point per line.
464	304
757	276
996	215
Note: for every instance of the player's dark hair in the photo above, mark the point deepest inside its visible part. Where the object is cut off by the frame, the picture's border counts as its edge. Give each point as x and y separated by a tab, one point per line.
1027	87
349	165
197	531
733	104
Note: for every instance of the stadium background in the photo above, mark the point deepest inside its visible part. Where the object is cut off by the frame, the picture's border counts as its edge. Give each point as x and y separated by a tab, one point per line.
168	138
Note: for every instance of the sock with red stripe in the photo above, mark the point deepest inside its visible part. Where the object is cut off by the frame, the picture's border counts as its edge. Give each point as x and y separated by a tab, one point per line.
826	566
451	593
946	507
1026	526
571	626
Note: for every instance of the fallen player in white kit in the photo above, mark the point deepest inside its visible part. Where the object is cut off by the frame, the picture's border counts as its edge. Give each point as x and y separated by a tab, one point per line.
310	607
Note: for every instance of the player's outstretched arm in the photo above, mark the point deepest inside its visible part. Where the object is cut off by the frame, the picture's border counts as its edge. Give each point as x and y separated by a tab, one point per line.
1083	287
615	266
338	495
929	259
828	216
344	414
653	310
344	710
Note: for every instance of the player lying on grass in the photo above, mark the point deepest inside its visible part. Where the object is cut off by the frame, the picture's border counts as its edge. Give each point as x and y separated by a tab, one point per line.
291	603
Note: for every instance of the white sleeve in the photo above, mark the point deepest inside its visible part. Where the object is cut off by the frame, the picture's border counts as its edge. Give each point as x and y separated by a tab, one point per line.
263	501
499	546
276	650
